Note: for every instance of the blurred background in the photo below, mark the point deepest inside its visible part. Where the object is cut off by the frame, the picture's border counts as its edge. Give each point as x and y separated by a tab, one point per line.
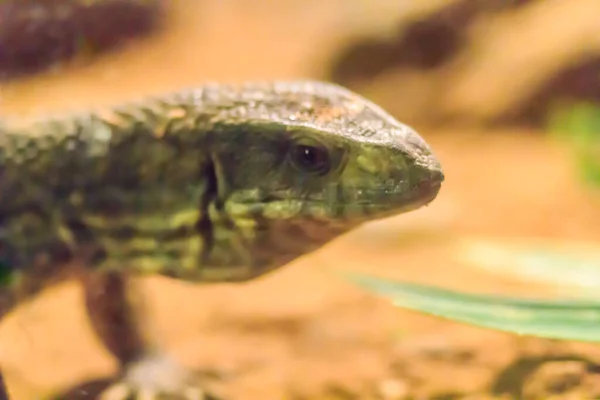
506	91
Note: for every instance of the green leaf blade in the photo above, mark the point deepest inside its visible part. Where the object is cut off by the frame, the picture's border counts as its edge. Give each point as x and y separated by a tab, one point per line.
577	320
572	268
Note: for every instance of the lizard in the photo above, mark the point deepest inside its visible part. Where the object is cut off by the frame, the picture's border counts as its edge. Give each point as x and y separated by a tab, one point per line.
210	184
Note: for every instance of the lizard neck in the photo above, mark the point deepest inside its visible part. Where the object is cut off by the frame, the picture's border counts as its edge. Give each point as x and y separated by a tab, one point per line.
243	247
237	241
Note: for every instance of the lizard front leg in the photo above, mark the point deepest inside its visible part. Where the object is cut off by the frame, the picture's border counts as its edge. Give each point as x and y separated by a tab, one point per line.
116	307
3	389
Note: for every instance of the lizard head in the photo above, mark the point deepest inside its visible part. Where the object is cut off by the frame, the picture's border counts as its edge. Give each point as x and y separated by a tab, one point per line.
309	162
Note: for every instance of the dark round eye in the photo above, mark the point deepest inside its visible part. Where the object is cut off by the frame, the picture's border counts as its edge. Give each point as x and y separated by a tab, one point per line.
311	158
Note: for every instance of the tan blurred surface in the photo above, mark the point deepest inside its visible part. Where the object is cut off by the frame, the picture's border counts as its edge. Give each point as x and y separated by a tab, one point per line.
302	330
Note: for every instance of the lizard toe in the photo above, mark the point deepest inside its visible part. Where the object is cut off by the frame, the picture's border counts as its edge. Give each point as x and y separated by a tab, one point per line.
156	378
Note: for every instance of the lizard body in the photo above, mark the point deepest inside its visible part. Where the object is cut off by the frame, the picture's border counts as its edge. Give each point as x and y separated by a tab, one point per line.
221	183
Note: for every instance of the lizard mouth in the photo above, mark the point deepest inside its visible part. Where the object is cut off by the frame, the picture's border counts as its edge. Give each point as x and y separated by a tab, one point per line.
427	191
400	202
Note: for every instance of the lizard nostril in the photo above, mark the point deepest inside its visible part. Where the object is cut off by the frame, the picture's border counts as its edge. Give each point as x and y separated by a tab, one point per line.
426	177
437	176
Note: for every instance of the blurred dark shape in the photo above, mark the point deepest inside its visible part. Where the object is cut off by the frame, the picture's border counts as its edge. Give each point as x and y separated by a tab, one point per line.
423	44
431	42
579	82
546	376
37	34
437	61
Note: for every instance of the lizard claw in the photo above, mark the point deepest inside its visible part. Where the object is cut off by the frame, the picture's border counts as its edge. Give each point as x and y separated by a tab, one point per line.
156	378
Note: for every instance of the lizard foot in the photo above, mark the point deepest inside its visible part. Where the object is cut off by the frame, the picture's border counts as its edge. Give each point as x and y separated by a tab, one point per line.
156	378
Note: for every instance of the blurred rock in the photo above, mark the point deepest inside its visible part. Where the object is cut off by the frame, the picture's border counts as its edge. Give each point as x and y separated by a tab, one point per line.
562	380
580	81
481	61
423	43
38	34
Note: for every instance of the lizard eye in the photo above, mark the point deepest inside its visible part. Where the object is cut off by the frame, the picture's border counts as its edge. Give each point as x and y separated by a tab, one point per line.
310	157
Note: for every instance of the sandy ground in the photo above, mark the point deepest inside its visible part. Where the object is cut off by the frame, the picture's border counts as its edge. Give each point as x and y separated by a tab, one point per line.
302	332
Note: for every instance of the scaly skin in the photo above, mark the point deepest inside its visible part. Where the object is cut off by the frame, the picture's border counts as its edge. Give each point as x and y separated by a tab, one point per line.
220	183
